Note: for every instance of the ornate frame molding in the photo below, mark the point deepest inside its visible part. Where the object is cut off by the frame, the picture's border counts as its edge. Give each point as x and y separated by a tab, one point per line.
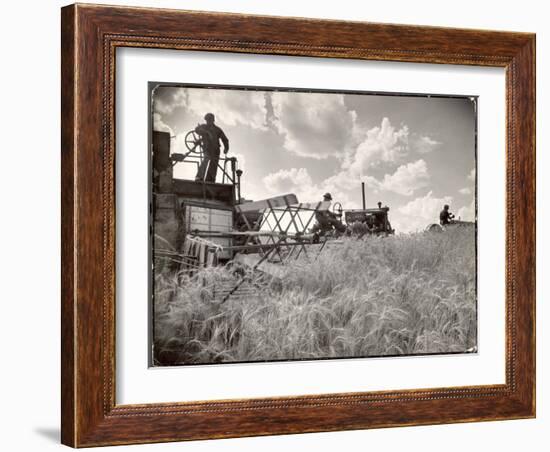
90	37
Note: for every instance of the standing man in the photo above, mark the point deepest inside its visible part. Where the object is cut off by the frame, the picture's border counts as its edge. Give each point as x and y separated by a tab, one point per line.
445	217
211	135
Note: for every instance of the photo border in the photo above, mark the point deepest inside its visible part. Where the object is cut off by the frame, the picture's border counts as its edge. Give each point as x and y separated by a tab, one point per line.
90	36
153	85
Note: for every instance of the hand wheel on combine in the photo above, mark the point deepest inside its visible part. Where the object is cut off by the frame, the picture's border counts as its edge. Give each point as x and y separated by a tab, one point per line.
193	142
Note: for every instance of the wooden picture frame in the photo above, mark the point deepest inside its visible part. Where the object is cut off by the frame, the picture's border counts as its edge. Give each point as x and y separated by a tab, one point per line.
90	37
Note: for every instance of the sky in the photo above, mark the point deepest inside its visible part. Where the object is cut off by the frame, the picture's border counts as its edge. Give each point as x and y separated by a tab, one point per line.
414	153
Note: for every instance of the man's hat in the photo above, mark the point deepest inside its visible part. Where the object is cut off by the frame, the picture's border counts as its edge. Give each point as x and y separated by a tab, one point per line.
446	206
327	196
209	115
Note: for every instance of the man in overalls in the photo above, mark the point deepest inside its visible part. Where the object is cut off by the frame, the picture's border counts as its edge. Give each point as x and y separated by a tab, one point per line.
211	135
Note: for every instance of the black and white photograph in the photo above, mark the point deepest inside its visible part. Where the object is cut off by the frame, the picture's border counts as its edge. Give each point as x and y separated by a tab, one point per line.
296	224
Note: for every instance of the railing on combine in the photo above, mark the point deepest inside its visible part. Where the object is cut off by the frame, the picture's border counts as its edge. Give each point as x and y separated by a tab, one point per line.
230	172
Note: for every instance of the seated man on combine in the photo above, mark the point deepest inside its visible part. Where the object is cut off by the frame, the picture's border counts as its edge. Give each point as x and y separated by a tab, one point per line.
211	135
445	217
327	221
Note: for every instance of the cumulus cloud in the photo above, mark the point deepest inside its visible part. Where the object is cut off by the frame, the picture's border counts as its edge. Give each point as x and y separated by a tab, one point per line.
467	213
159	125
287	179
231	107
407	178
314	125
383	144
241	160
380	144
424	144
167	98
343	181
418	213
299	182
470	188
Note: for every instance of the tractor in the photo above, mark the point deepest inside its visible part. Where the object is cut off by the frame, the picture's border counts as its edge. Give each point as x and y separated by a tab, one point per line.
369	221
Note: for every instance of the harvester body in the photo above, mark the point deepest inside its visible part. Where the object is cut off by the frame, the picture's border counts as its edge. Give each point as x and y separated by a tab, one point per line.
196	224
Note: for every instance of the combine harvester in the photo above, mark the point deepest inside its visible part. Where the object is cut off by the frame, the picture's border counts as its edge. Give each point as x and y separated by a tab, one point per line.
196	225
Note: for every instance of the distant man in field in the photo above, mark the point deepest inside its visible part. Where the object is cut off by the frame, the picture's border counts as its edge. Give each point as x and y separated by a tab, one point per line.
211	135
445	217
327	221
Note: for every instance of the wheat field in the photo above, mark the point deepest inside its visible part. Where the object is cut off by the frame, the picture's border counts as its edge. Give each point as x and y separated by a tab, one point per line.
398	295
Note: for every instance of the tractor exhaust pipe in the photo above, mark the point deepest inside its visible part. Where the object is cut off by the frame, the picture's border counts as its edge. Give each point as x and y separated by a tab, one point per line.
363	193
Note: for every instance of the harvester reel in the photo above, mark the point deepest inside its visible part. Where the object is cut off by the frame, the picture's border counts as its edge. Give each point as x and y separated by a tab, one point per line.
193	142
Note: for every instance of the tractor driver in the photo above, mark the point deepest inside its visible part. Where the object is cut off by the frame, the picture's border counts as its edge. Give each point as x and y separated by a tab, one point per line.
445	217
211	135
327	220
371	223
